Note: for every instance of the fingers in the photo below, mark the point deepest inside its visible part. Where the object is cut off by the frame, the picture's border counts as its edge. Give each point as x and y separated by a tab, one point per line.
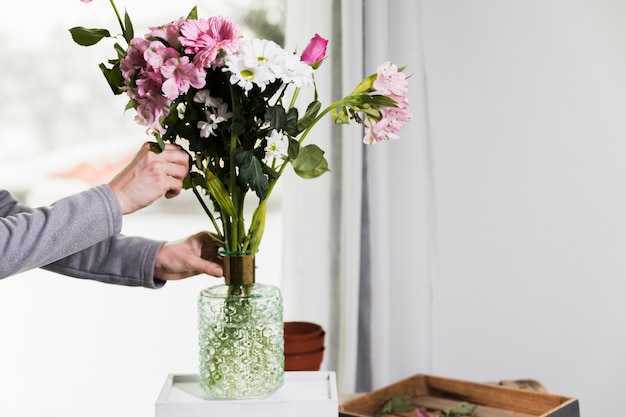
196	254
151	175
174	162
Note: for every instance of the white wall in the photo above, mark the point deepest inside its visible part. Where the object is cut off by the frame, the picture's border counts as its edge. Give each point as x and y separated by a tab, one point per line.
527	104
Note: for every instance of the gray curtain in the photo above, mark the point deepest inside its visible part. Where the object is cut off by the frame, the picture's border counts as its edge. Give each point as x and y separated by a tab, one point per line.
369	258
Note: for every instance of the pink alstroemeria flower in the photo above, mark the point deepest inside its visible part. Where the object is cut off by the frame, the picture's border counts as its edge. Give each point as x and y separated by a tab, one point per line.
158	53
315	51
86	1
390	81
168	32
134	60
180	74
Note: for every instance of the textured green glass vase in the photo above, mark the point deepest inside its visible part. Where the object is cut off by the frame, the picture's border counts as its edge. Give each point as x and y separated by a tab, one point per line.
241	338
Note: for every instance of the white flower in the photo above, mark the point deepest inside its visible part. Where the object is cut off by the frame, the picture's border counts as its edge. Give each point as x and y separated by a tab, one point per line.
204	96
180	109
220	115
277	145
258	62
296	71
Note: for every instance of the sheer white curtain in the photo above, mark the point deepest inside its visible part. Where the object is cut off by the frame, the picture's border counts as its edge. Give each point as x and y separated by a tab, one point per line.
359	242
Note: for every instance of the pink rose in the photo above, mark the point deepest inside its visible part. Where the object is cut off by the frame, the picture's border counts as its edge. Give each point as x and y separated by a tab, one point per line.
315	51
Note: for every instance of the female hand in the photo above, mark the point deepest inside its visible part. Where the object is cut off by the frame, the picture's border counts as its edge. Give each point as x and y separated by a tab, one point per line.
197	254
150	175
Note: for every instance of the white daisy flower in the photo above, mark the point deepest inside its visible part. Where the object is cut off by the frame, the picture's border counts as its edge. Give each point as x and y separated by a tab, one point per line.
296	71
277	146
256	63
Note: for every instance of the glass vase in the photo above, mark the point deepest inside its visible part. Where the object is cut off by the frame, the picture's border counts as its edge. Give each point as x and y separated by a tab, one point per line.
240	334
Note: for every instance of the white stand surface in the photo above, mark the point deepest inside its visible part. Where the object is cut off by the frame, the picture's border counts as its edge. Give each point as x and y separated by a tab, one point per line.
304	394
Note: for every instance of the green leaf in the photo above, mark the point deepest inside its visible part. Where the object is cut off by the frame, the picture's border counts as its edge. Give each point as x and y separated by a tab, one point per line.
132	104
461	409
193	14
364	101
217	190
309	116
251	172
87	37
129	32
396	404
121	51
341	116
365	85
114	77
277	117
293	149
291	124
310	162
194	179
257	226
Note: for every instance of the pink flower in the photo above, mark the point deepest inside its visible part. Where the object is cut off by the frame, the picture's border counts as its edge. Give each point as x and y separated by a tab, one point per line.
149	83
151	110
315	51
179	75
388	125
134	60
86	1
393	120
158	53
207	37
169	32
389	80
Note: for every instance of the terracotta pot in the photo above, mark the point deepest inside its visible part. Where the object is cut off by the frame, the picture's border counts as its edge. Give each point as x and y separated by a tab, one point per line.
304	346
308	361
302	337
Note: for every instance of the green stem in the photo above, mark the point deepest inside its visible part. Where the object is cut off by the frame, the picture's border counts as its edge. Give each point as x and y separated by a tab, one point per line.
304	135
119	17
208	212
294	97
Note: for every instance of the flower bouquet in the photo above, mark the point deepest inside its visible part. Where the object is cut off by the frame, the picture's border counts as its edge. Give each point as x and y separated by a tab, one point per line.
231	103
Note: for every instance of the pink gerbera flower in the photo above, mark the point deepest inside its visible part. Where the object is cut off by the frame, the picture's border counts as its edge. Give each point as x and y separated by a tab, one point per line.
206	37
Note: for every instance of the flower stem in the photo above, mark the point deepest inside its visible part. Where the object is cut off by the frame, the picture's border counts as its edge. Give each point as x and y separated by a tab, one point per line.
119	18
294	97
208	212
304	135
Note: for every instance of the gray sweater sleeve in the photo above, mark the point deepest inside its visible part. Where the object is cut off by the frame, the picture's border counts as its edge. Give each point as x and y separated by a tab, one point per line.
77	236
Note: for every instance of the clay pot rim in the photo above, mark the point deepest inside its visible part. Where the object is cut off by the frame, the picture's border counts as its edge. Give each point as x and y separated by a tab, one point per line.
302	330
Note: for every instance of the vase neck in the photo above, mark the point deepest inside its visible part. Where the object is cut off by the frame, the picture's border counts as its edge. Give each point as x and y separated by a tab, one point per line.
239	269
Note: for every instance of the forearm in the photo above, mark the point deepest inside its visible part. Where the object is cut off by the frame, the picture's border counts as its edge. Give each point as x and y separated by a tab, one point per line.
118	260
34	237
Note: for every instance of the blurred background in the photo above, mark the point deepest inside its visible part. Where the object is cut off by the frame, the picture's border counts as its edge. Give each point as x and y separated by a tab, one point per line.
497	231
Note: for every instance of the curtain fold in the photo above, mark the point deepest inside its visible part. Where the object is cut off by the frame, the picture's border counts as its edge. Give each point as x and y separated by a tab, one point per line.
359	243
402	209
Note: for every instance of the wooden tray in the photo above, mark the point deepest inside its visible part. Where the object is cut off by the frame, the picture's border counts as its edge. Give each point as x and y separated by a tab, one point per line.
440	393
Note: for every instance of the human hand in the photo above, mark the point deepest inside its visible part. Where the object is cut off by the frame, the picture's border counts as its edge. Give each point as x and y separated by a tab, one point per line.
150	175
197	254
